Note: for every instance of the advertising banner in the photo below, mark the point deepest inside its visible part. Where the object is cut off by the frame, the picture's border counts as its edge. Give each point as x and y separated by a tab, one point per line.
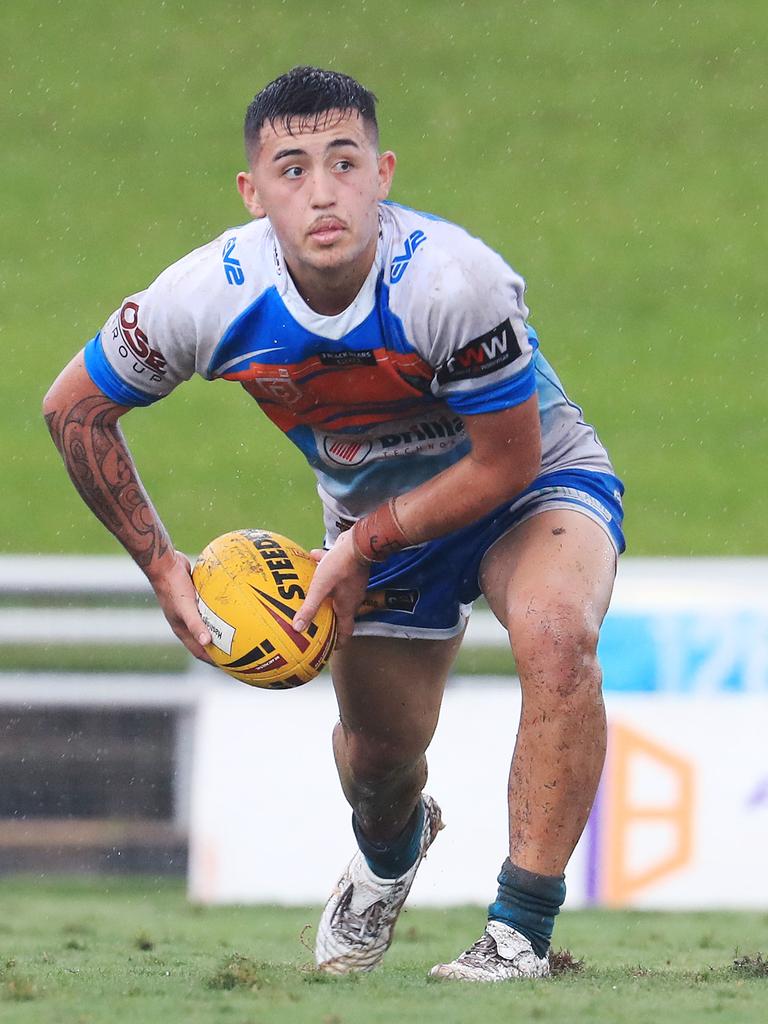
681	818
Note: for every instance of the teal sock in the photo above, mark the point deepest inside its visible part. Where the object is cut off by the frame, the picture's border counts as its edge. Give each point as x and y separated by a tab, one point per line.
529	903
391	858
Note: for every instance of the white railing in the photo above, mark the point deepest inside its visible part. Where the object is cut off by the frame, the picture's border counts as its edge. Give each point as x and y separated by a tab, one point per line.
77	576
675	624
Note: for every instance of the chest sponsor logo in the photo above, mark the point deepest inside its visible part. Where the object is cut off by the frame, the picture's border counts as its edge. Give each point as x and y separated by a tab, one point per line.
133	344
347	451
484	355
400	263
232	268
424	437
364	357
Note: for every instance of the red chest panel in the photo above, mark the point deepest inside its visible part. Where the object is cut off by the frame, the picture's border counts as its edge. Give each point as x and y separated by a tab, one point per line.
338	390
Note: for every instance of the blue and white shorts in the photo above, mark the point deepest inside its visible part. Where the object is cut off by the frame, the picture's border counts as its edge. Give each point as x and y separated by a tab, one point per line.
427	591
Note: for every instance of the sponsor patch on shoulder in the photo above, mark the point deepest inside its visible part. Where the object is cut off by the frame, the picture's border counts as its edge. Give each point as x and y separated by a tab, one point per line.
232	268
486	354
134	346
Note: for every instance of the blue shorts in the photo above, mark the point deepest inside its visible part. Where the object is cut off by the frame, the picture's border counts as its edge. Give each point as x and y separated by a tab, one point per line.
427	591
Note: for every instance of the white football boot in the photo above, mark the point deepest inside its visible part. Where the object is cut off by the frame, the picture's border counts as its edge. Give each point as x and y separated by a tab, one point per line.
500	954
356	927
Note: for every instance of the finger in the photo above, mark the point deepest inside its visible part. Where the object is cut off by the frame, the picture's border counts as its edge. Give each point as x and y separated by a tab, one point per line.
317	554
305	614
200	632
196	628
345	626
194	648
317	591
199	653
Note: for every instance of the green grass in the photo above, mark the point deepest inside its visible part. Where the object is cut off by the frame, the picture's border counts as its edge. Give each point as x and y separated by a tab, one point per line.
76	658
98	950
471	661
614	154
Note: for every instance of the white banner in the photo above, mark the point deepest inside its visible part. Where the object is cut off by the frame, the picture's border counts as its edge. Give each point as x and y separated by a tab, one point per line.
681	819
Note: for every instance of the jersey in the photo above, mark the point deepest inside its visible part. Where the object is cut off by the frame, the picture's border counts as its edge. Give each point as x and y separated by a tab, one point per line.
374	397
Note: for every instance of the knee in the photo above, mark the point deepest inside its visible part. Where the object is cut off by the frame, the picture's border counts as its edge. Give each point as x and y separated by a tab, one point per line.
555	648
375	759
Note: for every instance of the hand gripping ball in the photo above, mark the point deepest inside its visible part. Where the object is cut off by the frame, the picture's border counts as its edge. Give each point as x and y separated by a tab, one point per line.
250	583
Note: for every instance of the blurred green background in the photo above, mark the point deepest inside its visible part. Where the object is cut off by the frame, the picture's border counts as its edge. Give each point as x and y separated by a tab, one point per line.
614	153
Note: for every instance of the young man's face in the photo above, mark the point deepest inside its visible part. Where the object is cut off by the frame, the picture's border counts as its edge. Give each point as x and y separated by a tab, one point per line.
320	189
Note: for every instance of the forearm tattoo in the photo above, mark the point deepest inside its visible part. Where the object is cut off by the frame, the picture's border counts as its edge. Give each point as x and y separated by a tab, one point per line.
97	460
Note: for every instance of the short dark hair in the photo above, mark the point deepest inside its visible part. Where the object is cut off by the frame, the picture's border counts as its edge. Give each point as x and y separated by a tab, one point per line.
301	97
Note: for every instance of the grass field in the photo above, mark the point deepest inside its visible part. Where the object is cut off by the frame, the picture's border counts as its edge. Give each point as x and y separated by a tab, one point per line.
85	952
614	155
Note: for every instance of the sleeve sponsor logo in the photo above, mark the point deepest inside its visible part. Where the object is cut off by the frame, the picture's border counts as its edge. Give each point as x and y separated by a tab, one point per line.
484	355
132	343
400	263
364	357
232	268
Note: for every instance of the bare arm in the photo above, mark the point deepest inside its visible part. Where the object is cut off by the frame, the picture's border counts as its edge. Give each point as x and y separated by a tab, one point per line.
504	460
84	426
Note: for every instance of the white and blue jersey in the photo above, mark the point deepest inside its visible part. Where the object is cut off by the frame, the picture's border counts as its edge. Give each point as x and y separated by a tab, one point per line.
374	397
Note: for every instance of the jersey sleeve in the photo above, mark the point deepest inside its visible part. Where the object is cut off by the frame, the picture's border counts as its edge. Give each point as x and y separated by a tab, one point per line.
146	347
481	347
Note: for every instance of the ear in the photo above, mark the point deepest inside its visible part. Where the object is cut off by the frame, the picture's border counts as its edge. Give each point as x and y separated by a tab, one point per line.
250	196
387	163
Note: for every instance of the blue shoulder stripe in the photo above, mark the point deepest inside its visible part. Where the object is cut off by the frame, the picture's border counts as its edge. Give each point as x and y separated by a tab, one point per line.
104	377
512	391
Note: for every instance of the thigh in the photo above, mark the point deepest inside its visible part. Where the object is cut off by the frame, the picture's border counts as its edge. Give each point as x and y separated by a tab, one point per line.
551	574
390	689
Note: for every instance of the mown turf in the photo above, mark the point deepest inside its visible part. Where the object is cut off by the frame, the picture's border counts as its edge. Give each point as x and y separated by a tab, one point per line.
127	951
471	661
614	154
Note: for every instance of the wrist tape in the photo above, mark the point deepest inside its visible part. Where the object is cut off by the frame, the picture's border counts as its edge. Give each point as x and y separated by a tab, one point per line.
379	535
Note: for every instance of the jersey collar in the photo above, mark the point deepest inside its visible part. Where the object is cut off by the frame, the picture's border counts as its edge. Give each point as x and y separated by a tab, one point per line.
332	327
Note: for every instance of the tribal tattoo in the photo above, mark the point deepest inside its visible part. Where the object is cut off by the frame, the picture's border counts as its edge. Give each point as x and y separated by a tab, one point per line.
97	459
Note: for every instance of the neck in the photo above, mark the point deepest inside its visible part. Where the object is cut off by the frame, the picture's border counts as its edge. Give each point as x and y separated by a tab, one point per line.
329	291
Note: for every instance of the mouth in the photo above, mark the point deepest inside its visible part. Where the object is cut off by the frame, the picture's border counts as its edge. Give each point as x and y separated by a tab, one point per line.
327	230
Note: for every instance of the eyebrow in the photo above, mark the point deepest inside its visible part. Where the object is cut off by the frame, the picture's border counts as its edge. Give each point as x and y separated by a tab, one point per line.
335	144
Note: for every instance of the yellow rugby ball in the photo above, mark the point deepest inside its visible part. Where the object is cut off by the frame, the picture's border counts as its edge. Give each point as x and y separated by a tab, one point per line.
249	584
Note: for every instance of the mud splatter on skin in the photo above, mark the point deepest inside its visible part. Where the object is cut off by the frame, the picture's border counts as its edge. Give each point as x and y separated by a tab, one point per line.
558	530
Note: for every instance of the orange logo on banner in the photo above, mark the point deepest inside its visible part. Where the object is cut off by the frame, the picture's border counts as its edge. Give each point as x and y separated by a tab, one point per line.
626	815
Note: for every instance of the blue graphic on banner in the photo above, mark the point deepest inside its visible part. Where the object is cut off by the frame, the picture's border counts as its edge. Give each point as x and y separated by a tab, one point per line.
685	652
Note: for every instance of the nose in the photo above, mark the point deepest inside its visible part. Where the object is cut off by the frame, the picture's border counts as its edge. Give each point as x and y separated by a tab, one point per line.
323	193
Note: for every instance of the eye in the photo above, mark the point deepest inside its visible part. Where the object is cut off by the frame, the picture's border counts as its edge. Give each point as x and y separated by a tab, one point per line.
343	165
292	172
